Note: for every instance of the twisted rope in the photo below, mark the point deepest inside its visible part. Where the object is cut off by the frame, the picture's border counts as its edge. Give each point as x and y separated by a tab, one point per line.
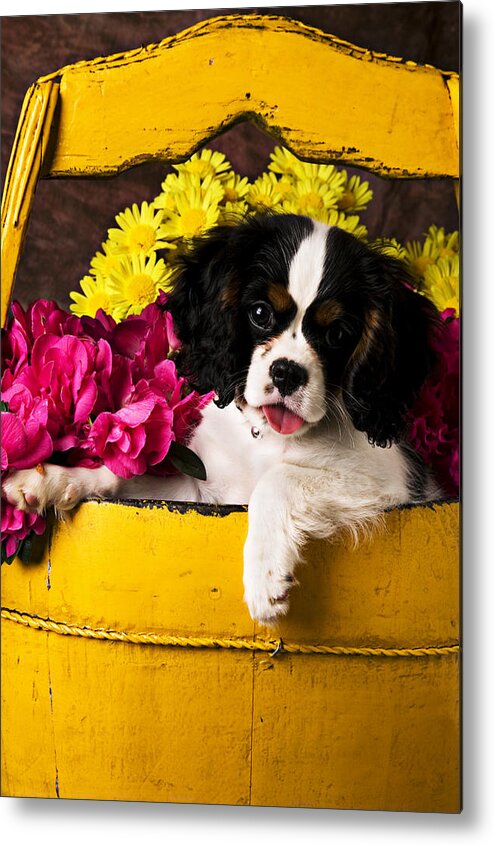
275	646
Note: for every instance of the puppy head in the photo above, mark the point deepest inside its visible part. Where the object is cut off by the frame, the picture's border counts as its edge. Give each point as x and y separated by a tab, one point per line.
294	319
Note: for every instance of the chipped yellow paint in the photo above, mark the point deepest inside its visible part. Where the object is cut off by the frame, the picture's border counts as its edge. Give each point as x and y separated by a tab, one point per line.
85	718
26	161
227	726
393	117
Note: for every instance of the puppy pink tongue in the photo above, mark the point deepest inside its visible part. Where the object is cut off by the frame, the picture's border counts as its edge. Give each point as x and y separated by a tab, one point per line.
281	419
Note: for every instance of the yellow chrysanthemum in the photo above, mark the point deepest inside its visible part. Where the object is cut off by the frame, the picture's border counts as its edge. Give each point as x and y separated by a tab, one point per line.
95	295
442	283
310	197
103	263
419	257
196	209
350	223
140	231
284	186
235	189
287	165
264	193
391	247
138	281
356	195
173	184
204	164
442	245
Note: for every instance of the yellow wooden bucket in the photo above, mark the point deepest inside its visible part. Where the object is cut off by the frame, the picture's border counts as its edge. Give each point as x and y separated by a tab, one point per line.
131	668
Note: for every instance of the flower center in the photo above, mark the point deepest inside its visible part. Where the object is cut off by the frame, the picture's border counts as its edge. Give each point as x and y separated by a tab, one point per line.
446	252
264	200
421	264
347	200
98	300
141	289
142	238
311	200
193	222
230	194
202	168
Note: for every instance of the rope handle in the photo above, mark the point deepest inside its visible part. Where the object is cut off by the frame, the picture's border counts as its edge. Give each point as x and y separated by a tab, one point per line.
276	647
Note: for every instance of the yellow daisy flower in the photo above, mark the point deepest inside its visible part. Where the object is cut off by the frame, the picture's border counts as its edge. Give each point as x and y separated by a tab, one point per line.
235	189
286	164
284	186
419	257
232	214
442	245
391	247
356	195
196	209
350	223
104	262
137	282
140	231
95	295
264	193
206	163
442	283
310	197
172	185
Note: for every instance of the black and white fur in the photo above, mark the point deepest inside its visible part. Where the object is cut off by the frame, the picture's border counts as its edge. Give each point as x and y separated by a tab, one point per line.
354	344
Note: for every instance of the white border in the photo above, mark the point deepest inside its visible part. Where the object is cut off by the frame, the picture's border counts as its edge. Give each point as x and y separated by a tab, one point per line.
93	823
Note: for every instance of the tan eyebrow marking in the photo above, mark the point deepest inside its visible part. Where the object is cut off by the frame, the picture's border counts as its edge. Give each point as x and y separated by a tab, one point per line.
229	294
279	297
372	325
327	312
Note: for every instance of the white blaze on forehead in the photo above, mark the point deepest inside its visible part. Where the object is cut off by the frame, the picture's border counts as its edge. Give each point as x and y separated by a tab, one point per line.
307	267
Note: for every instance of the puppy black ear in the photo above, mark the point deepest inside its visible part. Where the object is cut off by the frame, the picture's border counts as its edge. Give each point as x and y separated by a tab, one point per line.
394	355
204	306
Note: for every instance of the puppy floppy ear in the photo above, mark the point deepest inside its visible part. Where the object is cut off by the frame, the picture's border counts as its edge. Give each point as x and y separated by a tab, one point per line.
394	355
204	307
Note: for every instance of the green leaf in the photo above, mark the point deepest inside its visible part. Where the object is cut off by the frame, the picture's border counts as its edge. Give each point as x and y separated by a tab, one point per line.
24	552
3	406
186	461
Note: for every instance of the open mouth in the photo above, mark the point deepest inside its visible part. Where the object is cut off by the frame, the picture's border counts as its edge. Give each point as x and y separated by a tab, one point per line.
281	419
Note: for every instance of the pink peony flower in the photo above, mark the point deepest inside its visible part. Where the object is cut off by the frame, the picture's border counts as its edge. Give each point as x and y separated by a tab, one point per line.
16	526
136	437
65	372
24	444
94	390
434	428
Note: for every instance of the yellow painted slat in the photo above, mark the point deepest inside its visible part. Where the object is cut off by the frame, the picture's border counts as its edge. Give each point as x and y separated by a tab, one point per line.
154	723
28	156
169	572
29	766
383	114
362	733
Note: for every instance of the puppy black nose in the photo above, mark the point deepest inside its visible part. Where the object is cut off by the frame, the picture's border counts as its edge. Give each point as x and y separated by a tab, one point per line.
287	375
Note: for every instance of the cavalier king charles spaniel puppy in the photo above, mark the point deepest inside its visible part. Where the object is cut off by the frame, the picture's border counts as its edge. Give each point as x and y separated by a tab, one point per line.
316	347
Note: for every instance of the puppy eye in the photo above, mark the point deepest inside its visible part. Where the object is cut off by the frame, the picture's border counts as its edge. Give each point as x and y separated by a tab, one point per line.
261	315
336	333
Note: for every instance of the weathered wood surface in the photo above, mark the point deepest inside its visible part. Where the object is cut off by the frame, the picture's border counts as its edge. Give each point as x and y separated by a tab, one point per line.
322	97
219	725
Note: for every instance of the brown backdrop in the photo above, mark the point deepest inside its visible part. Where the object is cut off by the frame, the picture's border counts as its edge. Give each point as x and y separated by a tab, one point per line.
70	217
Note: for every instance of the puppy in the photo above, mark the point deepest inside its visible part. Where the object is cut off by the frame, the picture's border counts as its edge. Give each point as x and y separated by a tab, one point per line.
316	347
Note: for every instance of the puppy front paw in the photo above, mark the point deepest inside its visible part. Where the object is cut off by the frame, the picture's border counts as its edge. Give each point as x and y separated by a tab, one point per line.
268	579
42	487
